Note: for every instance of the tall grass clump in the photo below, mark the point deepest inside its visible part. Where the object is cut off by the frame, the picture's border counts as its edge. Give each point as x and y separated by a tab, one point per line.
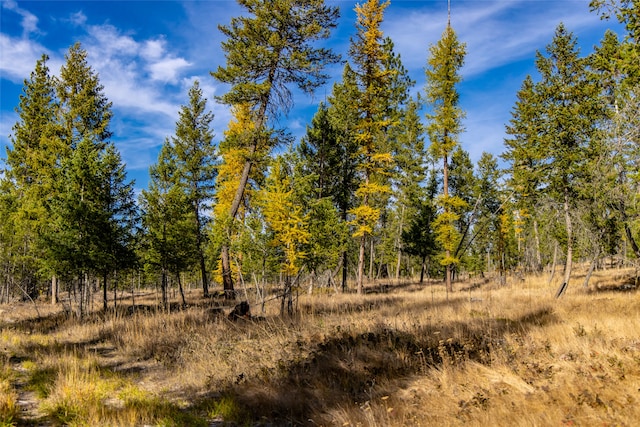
9	409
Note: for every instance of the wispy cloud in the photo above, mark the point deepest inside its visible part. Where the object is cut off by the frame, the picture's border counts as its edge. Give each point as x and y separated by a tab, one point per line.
29	21
495	32
18	57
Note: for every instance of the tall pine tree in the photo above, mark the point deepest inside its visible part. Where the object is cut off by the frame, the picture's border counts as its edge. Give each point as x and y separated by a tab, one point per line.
445	124
268	49
195	156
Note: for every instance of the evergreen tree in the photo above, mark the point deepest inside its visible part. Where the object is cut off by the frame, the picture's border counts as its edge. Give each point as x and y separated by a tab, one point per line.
462	184
445	124
610	63
266	50
120	236
571	112
524	153
167	220
317	164
405	136
375	159
31	167
491	238
195	156
91	210
419	238
344	118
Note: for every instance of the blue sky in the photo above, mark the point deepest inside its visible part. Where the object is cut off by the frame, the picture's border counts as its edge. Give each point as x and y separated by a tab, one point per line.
148	53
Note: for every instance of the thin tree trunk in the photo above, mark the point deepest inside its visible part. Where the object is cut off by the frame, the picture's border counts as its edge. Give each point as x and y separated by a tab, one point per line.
569	225
344	271
592	267
371	259
54	290
163	287
104	292
199	239
399	260
445	186
536	237
553	264
360	277
184	301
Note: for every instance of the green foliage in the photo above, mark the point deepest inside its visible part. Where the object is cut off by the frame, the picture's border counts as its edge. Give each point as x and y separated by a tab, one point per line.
419	238
445	124
195	168
267	49
167	219
445	120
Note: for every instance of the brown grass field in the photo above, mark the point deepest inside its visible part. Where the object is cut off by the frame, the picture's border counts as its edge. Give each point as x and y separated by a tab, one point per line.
400	355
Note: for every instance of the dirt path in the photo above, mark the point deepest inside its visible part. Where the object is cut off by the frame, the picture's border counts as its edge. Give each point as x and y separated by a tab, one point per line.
28	402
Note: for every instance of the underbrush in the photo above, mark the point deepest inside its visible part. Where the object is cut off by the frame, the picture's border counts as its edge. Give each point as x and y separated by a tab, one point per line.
404	355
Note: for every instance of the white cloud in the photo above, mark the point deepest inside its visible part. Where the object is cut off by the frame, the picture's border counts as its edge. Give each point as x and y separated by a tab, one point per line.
108	40
167	69
18	57
29	21
79	19
153	49
495	32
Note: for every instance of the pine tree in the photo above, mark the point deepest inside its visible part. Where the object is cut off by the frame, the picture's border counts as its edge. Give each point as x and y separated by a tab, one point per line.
195	156
267	50
92	212
369	58
344	118
524	153
119	237
317	164
31	168
167	220
613	63
572	111
462	183
405	138
419	238
445	124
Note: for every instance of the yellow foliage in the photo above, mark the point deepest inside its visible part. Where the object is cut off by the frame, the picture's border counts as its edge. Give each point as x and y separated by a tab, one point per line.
284	215
365	218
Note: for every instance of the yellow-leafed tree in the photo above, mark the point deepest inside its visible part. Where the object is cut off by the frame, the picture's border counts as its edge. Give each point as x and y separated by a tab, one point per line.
284	216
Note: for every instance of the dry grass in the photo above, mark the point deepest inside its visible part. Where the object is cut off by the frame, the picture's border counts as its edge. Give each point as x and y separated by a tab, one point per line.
484	355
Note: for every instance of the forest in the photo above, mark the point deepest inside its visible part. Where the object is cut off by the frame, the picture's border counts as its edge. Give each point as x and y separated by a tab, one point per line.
378	189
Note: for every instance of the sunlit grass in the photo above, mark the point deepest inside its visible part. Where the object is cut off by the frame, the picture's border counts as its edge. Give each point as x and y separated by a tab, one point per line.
485	354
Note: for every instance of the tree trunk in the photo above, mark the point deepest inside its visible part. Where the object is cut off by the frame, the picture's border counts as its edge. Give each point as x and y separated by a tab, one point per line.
553	264
344	271
199	239
360	278
104	292
399	260
537	242
184	301
445	188
422	267
227	280
163	289
569	225
54	290
592	267
371	260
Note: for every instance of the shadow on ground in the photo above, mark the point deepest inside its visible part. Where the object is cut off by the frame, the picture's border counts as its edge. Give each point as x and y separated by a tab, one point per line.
357	368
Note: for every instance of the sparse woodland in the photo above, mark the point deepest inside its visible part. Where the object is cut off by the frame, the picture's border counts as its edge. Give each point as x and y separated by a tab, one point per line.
391	281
